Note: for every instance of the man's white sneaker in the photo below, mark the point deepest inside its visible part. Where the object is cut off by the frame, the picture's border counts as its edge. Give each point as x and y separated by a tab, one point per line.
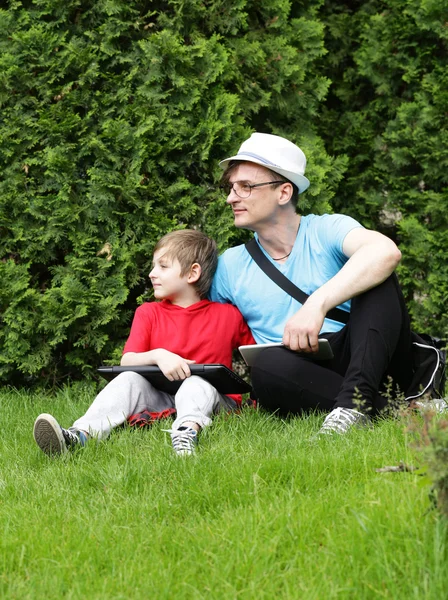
184	440
437	405
340	420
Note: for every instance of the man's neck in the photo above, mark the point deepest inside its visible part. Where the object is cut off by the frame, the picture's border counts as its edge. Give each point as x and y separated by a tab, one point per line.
278	239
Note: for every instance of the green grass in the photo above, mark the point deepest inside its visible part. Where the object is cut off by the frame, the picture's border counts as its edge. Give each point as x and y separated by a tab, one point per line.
261	512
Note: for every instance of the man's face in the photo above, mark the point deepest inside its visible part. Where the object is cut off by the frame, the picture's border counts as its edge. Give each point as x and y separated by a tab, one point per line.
261	207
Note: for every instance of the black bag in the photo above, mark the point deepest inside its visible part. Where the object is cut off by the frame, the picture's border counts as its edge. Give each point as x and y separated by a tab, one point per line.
429	366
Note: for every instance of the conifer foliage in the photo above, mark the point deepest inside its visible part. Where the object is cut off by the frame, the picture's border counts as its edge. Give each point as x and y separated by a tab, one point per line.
387	111
114	114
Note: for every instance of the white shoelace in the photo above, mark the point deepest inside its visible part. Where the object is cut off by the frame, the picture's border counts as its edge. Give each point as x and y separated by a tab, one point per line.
341	419
184	440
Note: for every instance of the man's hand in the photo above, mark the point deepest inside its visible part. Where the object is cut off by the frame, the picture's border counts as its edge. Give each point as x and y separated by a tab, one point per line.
173	366
372	258
302	329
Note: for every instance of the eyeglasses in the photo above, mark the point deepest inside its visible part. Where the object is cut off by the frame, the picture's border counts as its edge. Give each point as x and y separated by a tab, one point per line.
243	188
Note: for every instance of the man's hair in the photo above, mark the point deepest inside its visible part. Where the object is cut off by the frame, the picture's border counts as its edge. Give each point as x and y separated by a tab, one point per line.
189	246
276	177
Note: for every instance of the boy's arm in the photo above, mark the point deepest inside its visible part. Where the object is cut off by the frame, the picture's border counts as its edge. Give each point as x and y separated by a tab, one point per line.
173	366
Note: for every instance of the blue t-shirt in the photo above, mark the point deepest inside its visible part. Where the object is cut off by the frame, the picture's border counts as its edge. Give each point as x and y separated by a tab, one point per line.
315	258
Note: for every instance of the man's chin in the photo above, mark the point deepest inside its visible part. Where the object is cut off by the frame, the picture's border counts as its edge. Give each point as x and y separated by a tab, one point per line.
241	223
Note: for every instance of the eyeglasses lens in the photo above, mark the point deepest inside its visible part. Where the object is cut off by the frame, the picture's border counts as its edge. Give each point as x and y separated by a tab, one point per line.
241	189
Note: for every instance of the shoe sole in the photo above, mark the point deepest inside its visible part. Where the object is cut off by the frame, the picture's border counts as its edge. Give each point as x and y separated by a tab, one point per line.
48	435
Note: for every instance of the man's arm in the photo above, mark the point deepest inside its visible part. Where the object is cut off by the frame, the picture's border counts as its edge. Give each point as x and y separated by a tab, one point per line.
372	258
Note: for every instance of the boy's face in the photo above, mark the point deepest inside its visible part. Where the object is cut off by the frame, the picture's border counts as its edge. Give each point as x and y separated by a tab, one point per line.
166	279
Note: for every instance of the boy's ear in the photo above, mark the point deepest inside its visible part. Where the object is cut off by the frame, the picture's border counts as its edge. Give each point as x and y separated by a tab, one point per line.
195	273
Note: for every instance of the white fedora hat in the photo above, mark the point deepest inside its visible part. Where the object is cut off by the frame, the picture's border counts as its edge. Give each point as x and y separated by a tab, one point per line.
275	153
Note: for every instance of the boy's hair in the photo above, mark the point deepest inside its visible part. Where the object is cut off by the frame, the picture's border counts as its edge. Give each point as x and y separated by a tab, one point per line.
234	163
189	246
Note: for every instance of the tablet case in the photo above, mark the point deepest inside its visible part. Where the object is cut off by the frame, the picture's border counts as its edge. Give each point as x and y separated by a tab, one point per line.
222	378
250	351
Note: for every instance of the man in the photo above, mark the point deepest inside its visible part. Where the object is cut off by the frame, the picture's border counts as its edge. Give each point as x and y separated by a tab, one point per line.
334	260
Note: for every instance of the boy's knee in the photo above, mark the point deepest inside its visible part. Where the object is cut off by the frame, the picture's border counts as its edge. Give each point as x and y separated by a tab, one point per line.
194	382
129	378
197	389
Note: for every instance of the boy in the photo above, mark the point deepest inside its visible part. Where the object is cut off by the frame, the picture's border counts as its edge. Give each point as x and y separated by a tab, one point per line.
181	329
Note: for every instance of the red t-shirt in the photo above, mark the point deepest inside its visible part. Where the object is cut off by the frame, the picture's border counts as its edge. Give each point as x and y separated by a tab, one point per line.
206	332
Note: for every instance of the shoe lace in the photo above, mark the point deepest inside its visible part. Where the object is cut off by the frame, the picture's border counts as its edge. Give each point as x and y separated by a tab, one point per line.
439	405
184	440
340	419
72	437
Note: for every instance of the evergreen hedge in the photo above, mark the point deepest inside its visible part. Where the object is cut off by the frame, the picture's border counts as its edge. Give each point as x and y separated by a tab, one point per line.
114	115
387	110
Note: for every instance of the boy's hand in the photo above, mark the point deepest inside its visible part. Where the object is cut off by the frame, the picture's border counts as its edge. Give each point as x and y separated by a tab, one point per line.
173	366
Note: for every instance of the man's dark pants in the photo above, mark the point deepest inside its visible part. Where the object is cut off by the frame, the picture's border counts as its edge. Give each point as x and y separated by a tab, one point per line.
371	354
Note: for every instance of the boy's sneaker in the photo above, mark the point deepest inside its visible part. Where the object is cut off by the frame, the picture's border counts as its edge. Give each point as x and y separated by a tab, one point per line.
340	420
53	439
184	440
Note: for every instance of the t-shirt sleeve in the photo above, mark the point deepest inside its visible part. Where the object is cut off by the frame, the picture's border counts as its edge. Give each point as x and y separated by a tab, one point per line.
220	290
139	339
332	234
243	335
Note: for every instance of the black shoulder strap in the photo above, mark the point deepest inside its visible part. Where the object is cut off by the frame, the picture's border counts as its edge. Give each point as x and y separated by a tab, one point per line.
336	314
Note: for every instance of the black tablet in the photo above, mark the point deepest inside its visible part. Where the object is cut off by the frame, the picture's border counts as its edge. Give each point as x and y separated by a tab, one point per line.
222	378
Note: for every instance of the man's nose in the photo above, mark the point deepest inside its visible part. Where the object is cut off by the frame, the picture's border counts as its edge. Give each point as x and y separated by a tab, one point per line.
232	197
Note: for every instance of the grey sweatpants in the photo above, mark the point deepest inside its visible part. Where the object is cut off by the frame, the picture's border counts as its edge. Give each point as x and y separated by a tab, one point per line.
129	393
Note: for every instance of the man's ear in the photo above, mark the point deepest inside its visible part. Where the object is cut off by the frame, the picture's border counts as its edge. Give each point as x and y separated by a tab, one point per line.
286	191
194	273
